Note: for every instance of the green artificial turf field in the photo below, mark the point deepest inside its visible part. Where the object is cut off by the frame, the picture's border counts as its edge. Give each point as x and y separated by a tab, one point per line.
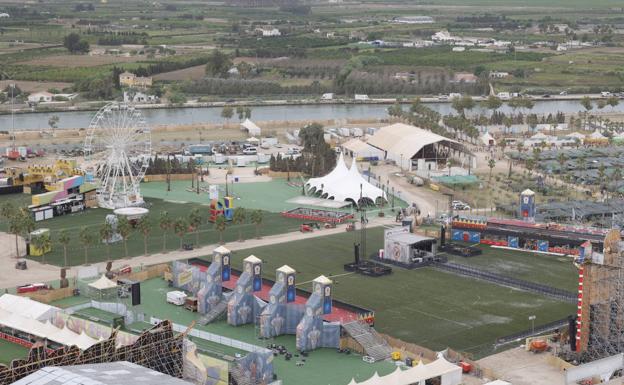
10	351
424	306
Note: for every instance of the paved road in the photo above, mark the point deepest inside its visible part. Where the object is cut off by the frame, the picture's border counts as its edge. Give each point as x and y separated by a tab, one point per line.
37	272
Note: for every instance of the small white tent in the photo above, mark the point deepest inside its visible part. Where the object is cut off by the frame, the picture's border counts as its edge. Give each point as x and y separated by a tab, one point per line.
251	128
103	283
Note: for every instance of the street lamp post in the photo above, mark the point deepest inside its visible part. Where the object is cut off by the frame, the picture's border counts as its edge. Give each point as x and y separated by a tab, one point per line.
532	319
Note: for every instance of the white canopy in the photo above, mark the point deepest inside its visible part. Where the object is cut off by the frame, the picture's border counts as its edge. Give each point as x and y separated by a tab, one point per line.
597	135
45	330
250	127
487	139
576	135
343	184
401	142
103	283
450	374
26	307
539	136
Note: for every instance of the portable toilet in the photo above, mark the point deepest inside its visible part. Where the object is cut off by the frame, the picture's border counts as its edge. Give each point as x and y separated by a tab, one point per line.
527	205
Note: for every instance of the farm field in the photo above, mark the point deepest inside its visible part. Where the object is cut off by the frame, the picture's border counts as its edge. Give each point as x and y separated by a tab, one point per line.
191	73
73	61
423	306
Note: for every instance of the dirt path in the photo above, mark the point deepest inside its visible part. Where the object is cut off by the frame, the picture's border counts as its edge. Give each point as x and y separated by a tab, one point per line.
37	272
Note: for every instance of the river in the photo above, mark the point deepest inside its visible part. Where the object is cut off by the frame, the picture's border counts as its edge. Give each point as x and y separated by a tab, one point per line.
169	116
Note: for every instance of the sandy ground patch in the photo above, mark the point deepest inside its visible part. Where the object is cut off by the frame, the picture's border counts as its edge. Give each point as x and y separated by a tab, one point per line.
523	368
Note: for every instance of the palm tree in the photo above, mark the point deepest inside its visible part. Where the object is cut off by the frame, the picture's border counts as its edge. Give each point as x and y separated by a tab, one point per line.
586	102
15	228
180	227
256	219
195	221
86	238
164	222
491	165
106	233
64	239
43	243
145	227
27	222
124	228
562	159
220	225
239	217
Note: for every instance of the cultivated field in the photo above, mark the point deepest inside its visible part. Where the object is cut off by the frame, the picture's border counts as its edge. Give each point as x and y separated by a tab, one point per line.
30	86
191	73
74	61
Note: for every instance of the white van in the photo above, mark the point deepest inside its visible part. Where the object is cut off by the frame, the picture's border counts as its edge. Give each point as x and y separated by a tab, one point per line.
176	297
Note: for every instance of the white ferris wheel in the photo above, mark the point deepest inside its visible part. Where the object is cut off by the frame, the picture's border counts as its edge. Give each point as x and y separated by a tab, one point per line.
119	142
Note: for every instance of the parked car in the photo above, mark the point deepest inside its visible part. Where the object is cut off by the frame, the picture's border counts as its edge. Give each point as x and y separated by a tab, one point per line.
250	151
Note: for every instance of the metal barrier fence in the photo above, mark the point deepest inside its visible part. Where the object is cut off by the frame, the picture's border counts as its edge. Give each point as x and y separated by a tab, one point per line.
531	332
221	340
553	292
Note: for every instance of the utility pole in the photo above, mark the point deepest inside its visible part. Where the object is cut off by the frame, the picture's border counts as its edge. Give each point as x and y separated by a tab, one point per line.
168	177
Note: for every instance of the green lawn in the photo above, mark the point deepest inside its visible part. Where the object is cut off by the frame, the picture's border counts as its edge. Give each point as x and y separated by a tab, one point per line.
10	351
323	366
546	269
273	223
424	306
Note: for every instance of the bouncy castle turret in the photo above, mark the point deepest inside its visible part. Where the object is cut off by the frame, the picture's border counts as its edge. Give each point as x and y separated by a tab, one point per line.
242	306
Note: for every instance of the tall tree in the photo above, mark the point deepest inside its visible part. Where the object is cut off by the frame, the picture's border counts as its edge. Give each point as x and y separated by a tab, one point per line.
164	222
43	243
491	165
180	227
256	219
220	226
75	44
106	233
145	227
218	64
319	156
195	220
226	113
86	238
124	228
239	217
64	239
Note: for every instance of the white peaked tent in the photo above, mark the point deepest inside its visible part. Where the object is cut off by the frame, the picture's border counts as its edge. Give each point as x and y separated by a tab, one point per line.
251	128
449	373
343	184
103	283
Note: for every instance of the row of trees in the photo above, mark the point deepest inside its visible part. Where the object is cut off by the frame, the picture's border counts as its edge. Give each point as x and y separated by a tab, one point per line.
317	157
21	224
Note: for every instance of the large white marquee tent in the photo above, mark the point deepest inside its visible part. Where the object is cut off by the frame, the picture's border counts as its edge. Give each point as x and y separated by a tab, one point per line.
416	149
344	184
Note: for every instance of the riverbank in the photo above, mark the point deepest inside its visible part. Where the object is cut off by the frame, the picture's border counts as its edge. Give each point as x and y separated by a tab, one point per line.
95	105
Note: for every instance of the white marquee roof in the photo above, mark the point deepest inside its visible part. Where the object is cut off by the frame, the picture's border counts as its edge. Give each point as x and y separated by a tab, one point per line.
46	330
343	184
401	138
26	307
416	374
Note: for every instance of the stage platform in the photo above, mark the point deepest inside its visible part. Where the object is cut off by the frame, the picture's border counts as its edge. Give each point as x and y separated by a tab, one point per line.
317	202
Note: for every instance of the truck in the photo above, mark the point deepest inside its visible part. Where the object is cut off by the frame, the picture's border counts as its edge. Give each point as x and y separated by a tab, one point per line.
176	297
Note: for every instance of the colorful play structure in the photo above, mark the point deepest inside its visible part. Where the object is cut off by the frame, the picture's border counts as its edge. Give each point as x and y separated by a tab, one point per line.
223	207
277	307
56	189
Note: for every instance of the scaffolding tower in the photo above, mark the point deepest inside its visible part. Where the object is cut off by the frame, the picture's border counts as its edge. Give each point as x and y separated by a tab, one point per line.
600	316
